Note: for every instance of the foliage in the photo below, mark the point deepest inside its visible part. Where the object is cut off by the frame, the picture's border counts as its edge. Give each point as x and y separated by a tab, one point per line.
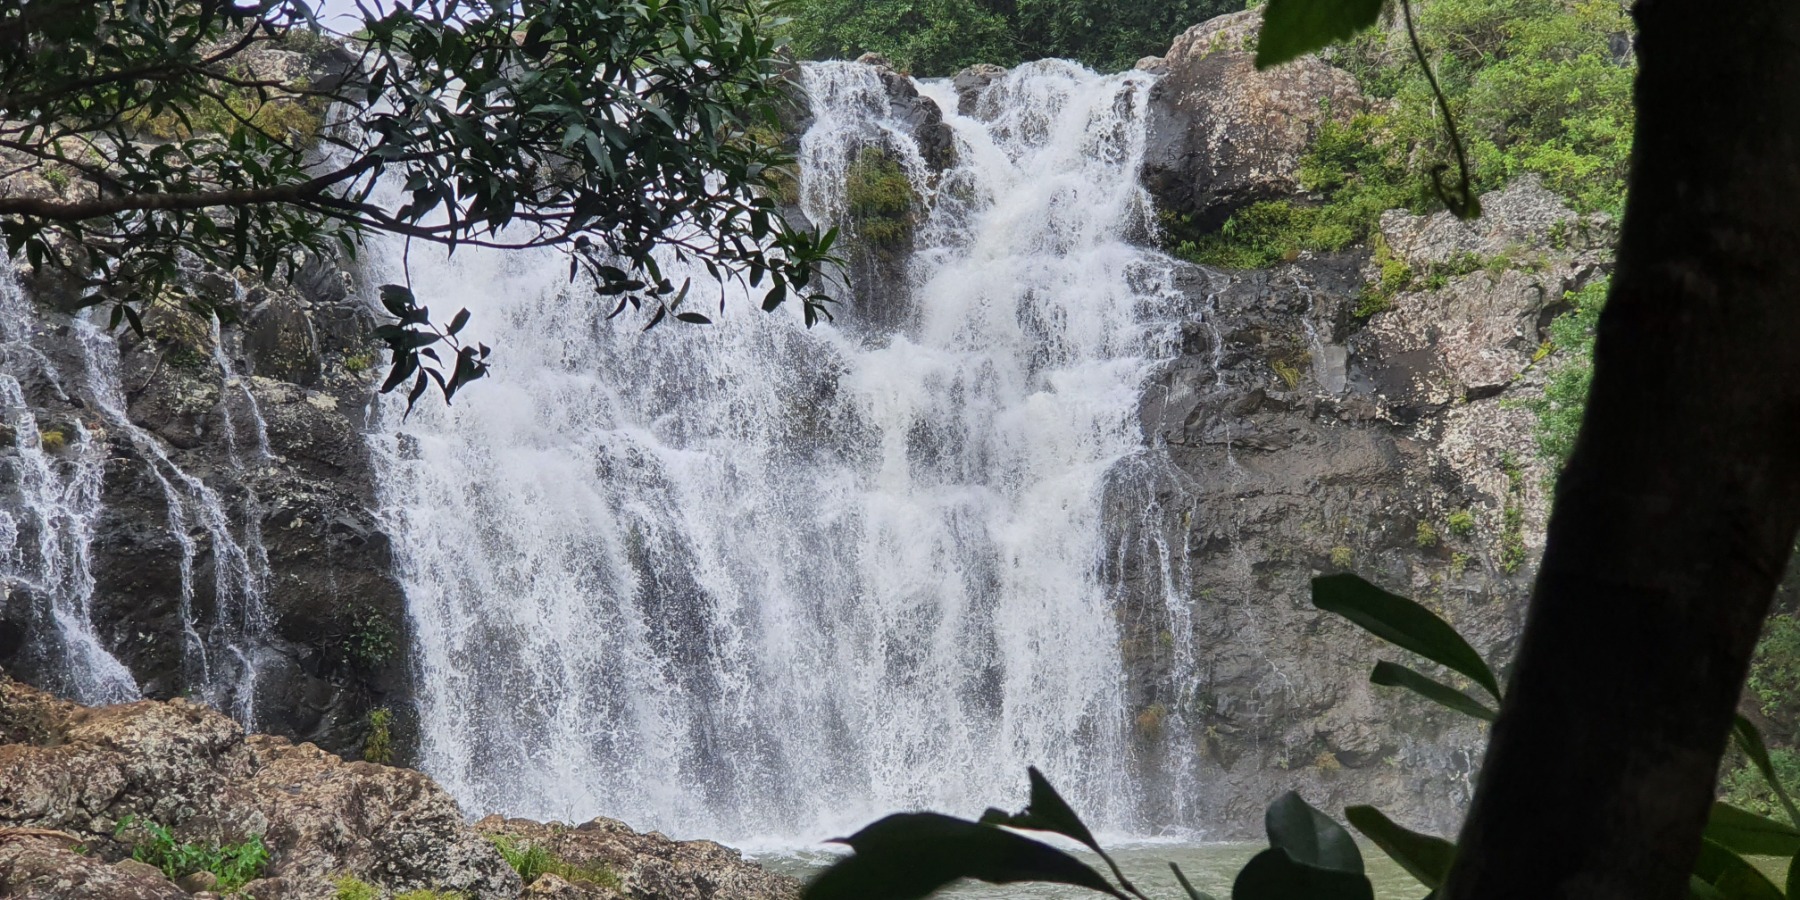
1534	85
378	747
533	861
1461	523
1425	536
881	199
609	131
1512	519
1775	672
234	864
52	441
1571	373
371	641
1310	855
938	37
351	888
427	894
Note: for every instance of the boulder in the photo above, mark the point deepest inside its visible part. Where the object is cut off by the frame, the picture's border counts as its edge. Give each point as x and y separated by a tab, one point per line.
647	866
1224	135
971	83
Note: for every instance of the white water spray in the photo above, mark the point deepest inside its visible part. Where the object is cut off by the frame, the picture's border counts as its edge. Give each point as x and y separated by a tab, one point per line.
757	582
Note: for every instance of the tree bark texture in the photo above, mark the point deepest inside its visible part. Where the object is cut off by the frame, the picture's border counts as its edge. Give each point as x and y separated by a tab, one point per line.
1678	509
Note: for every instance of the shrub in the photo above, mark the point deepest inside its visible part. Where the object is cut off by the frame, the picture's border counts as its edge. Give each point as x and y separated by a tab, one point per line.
234	864
350	888
1461	523
1342	557
1426	536
52	441
378	746
880	198
359	363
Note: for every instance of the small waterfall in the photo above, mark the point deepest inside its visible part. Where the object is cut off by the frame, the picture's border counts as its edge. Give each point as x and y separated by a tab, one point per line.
52	479
47	521
758	582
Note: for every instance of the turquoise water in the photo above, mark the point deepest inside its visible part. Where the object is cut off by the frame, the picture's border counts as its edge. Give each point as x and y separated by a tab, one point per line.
1211	867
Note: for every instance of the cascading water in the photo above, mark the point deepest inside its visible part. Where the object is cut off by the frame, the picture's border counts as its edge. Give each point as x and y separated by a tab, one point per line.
47	518
755	581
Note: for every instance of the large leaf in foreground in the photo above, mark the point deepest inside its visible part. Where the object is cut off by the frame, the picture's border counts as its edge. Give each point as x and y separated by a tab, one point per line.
1750	741
1747	832
1273	875
1293	28
1424	857
1393	675
1310	837
910	855
1731	876
1046	811
1403	623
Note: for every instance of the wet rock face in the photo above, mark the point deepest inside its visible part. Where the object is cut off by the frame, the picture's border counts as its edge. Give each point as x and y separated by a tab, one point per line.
276	433
1222	134
1286	445
70	775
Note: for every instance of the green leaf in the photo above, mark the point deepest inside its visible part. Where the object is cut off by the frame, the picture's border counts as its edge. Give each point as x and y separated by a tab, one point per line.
1403	623
1293	28
1793	876
1747	832
1273	875
1310	837
1390	674
1731	876
910	855
1046	811
1750	741
1424	857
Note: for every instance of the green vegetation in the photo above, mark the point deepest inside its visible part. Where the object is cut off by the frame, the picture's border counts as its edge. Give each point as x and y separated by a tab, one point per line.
52	441
427	894
226	111
233	864
881	199
378	747
938	37
372	641
351	888
358	363
1535	87
533	861
1461	523
1426	537
1572	373
1342	557
1512	519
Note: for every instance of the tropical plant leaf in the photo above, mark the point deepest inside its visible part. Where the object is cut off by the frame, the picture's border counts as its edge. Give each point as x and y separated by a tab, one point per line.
910	855
1423	857
1310	837
1403	623
1274	875
1045	811
1731	875
1747	832
1393	675
1750	741
1293	28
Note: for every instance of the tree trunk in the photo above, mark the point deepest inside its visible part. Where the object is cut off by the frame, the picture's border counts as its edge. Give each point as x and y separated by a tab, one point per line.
1678	509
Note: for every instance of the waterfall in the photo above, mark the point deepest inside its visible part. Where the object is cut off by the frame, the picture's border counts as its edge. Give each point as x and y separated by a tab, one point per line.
758	582
56	472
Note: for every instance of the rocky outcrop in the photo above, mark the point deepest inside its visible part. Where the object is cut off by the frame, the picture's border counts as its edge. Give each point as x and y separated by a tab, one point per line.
1291	440
1224	135
630	864
79	787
